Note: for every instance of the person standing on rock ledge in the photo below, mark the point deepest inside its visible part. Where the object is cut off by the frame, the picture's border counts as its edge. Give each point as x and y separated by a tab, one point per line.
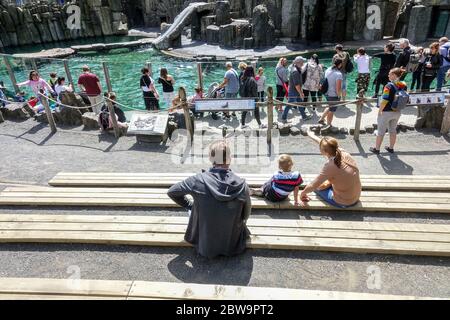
90	84
220	208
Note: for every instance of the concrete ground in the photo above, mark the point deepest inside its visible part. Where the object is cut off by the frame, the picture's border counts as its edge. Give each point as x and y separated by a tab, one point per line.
30	155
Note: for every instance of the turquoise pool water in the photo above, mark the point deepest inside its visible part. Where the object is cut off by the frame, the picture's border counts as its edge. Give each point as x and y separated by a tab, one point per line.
125	66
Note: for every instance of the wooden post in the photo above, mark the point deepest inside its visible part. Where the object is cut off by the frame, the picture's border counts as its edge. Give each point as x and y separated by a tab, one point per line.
48	112
1	116
149	66
187	116
445	129
200	75
34	65
359	106
107	78
112	114
269	114
11	74
68	74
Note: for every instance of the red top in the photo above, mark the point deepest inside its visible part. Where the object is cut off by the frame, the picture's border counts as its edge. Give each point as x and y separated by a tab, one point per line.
89	82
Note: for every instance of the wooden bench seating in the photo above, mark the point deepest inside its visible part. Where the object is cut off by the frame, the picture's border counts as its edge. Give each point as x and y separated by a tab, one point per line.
370	182
373	201
66	289
281	234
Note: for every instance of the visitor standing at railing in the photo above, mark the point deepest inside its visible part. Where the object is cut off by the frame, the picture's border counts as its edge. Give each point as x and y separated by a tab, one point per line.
167	82
61	87
314	73
295	94
393	100
242	66
445	53
347	66
282	74
151	96
37	84
404	56
261	81
333	82
230	82
249	89
388	59
415	66
90	84
431	66
364	63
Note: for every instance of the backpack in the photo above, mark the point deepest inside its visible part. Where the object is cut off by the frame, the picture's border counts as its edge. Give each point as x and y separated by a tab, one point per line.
413	64
305	74
349	67
400	98
103	118
323	89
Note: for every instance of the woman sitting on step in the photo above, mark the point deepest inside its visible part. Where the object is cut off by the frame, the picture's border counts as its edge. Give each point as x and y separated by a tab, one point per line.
339	183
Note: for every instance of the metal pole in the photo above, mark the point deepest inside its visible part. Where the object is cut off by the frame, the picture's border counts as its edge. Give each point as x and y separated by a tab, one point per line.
269	114
107	78
150	69
68	74
48	112
200	75
112	114
446	121
187	116
11	74
34	64
359	106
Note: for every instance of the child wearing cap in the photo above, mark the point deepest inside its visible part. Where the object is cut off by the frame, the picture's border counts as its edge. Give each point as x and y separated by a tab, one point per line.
282	183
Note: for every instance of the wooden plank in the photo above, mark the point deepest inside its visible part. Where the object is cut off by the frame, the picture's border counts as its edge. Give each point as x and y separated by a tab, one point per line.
257	231
253	222
188	174
65	287
166	290
256	242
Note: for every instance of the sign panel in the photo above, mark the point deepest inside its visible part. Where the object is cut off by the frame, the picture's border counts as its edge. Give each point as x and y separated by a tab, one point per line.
223	105
148	124
426	98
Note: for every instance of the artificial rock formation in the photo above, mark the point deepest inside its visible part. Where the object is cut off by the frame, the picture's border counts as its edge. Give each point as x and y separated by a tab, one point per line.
42	22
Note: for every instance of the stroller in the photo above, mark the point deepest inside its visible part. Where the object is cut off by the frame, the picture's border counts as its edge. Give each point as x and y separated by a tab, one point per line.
214	92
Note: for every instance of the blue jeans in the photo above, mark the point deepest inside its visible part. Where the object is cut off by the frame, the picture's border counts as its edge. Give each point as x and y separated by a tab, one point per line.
287	108
327	196
441	77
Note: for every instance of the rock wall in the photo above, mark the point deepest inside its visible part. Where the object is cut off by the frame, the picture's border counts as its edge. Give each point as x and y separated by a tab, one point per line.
42	22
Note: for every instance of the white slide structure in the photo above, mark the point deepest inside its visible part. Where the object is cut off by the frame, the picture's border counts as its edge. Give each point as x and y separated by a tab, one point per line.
164	41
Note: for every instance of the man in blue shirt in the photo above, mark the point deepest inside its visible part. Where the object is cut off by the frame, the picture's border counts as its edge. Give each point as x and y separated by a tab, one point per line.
445	53
230	82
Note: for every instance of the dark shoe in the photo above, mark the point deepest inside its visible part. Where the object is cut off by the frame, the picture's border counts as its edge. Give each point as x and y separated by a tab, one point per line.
390	150
322	122
375	151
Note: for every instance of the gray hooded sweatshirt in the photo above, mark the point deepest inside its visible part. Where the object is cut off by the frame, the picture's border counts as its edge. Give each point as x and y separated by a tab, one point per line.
221	207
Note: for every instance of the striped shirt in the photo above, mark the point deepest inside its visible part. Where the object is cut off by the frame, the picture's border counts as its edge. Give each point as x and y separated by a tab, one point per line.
283	183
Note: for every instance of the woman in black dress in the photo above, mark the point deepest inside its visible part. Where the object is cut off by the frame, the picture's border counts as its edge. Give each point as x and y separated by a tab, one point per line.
388	59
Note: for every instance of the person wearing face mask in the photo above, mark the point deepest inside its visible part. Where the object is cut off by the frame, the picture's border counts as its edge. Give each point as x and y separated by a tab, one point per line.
339	183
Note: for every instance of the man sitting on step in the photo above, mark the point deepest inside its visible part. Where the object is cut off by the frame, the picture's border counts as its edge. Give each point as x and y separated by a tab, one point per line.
220	208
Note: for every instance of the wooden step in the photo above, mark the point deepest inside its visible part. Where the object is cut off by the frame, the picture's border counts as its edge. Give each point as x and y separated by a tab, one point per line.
372	201
40	289
334	236
369	182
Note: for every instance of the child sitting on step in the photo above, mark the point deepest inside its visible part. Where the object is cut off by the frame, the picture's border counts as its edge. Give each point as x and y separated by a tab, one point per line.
282	183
